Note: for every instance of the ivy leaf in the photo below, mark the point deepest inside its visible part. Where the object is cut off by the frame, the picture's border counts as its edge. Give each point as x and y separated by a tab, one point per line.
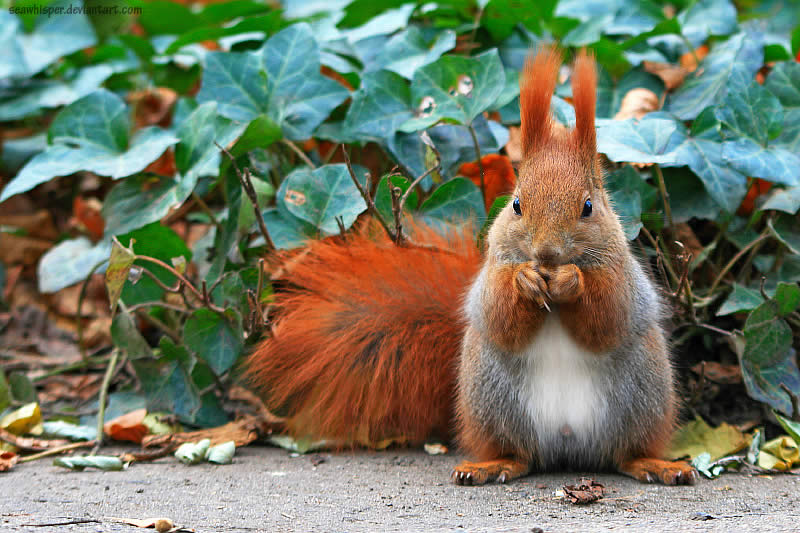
383	196
768	358
287	232
708	82
786	230
125	335
52	37
740	299
140	200
454	202
705	18
216	339
33	96
650	140
92	134
69	262
786	200
281	80
749	110
787	296
770	163
456	88
379	107
784	83
320	196
629	192
409	50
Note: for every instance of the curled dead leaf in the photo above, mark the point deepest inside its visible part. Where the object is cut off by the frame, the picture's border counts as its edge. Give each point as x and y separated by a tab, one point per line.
718	372
8	460
152	106
637	103
671	75
585	492
690	61
129	427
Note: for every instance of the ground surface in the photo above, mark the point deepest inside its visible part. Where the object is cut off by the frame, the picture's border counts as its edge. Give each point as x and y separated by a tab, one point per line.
267	490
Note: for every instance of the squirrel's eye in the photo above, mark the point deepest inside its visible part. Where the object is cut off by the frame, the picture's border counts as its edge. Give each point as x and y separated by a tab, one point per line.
517	208
587	208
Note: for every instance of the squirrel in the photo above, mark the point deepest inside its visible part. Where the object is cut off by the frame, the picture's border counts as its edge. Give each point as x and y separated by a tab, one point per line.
546	353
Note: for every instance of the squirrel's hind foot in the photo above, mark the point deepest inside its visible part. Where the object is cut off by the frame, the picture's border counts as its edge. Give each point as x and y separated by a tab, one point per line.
660	471
502	470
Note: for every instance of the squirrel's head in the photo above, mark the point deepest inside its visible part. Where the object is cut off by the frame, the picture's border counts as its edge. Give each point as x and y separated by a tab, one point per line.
559	212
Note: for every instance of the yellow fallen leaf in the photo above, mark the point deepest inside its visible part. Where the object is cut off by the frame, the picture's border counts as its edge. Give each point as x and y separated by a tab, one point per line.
22	420
697	437
779	454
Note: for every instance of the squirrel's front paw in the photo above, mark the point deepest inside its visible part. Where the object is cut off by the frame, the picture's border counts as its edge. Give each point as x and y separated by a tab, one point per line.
530	284
565	283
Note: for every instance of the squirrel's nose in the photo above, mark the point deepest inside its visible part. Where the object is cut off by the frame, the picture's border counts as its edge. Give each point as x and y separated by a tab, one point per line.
547	253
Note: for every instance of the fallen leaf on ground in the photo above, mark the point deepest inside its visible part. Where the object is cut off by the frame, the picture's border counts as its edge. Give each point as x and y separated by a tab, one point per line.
86	216
101	462
129	427
22	420
587	491
697	437
222	454
637	103
161	525
498	176
31	444
435	448
192	453
718	372
242	432
38	224
671	75
779	454
8	460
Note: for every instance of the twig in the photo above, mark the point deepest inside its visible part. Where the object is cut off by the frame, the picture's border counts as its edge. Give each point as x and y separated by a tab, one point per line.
29	444
795	402
171	333
247	184
480	163
101	414
761	288
81	297
159	303
204	207
59	450
68	523
397	213
662	189
436	167
299	153
367	198
736	258
342	229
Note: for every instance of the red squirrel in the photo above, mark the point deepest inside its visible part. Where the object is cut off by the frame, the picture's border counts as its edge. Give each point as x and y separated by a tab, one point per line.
546	353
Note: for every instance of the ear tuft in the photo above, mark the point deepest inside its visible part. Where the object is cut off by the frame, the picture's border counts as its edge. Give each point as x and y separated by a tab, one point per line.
537	85
584	85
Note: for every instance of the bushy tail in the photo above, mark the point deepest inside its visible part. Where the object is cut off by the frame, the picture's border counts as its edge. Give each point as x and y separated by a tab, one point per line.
367	339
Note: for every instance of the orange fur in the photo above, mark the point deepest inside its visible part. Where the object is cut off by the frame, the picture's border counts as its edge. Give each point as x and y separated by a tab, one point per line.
536	88
367	338
584	85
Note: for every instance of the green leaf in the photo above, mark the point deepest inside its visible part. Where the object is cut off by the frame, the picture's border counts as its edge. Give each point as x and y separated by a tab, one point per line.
320	196
628	193
453	203
771	163
160	242
383	198
499	203
287	232
750	110
167	386
53	37
5	392
192	453
650	140
784	83
101	462
786	200
409	50
587	32
126	336
215	338
260	133
768	359
705	18
69	262
92	134
703	87
282	80
791	427
502	16
787	296
740	299
786	230
140	200
380	106
221	454
59	429
22	388
455	88
36	95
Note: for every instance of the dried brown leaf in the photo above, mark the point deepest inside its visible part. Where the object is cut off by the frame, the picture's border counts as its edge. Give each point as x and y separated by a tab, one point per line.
637	103
585	492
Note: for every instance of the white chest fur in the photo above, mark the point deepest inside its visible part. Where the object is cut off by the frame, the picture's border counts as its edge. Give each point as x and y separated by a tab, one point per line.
565	385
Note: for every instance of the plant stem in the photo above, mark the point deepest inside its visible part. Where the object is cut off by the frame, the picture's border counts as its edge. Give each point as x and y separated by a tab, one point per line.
56	451
368	198
736	258
101	414
204	207
299	153
81	297
480	162
662	188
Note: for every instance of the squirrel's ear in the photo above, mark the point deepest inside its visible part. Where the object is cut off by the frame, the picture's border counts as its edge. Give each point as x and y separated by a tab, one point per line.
536	85
584	85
